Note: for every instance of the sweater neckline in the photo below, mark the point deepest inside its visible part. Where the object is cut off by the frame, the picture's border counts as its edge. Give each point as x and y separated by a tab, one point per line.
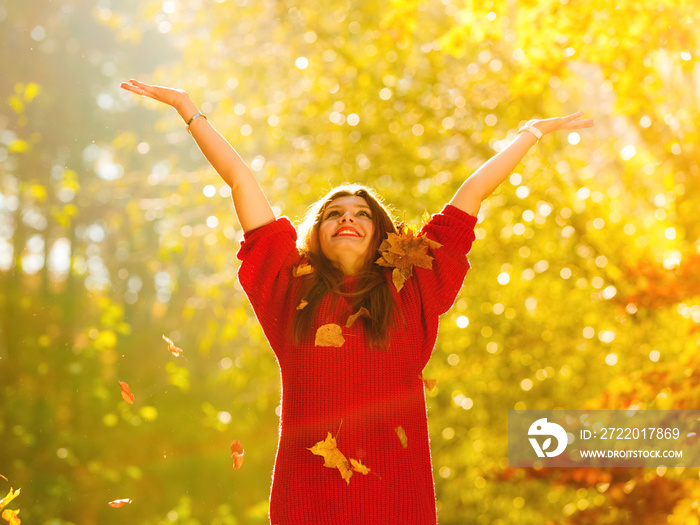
349	283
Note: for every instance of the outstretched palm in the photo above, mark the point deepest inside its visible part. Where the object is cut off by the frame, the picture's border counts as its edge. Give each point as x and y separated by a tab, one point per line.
163	94
569	122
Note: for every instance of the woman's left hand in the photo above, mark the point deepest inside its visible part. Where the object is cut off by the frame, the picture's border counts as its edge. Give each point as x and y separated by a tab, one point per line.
569	122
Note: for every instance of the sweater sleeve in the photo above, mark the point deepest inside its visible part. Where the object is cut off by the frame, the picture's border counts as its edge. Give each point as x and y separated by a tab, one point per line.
439	286
268	254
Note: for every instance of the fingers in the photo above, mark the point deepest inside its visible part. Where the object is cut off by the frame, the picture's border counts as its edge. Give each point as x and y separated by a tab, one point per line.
138	88
574	122
588	123
573	115
132	86
578	124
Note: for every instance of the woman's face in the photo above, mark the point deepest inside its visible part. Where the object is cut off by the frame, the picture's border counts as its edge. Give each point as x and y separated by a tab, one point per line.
345	232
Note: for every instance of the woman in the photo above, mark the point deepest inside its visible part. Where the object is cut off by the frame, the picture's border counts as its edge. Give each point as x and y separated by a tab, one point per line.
351	312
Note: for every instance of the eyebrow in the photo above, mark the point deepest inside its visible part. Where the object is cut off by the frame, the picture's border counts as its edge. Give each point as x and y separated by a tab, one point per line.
354	206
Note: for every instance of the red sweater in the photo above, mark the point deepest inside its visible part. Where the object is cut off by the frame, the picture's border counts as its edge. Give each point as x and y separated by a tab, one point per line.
372	391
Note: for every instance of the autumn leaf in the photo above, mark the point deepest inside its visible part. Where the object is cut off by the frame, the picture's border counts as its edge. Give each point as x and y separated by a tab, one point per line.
334	458
302	269
302	304
126	393
362	312
117	503
403	251
10	496
402	436
237	454
429	383
177	352
329	334
358	466
10	516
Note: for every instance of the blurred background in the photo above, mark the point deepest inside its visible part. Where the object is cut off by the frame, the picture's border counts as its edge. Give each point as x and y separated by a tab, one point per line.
114	231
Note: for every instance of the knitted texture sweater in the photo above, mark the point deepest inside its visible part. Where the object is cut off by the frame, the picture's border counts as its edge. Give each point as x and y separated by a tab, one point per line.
376	394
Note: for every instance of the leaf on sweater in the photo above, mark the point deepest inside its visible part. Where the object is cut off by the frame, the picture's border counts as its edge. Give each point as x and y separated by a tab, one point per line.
126	393
118	503
398	277
329	334
10	496
302	304
358	466
177	352
403	251
362	312
302	269
10	516
237	454
402	436
333	457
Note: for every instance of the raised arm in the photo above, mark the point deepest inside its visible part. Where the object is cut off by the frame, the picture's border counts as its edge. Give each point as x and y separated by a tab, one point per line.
494	171
250	202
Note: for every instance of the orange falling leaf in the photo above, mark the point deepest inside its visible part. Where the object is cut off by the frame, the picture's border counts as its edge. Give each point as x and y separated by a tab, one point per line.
237	454
118	503
302	304
334	458
126	393
176	351
362	312
402	436
358	466
10	496
329	334
10	516
429	383
302	269
403	251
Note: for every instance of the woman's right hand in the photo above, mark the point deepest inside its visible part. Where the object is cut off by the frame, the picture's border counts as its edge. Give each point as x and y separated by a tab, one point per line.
172	97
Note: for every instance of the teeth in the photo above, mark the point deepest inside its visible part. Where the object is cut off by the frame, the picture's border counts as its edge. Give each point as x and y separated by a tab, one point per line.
348	232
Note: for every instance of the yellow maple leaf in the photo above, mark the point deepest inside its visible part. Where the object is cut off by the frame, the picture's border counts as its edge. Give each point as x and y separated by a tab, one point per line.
358	466
402	436
362	312
333	457
329	334
10	516
119	503
175	350
302	269
403	251
10	496
302	304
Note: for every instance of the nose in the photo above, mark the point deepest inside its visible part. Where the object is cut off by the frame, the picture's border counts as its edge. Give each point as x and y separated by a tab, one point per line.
347	216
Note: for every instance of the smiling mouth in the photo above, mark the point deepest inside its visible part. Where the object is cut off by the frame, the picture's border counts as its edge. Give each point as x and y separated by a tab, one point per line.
347	232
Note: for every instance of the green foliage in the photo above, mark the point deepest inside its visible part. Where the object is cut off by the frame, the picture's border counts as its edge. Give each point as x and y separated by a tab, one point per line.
114	231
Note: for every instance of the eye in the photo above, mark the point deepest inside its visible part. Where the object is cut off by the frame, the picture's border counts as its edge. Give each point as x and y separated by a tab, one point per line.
366	214
331	213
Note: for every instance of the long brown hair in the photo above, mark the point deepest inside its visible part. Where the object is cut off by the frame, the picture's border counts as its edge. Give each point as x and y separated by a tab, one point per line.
372	291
